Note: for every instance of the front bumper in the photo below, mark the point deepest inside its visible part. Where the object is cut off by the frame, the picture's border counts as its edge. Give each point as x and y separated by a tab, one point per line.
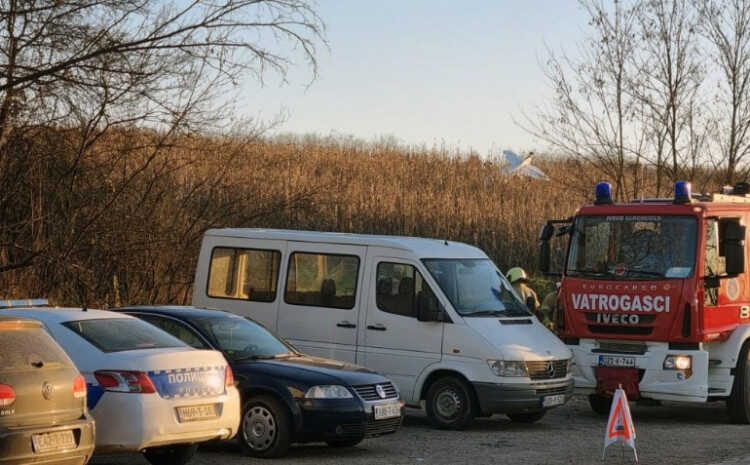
133	422
343	419
518	398
16	447
655	382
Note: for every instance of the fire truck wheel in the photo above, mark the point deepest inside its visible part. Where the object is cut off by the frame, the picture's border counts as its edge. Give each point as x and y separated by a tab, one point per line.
738	404
600	404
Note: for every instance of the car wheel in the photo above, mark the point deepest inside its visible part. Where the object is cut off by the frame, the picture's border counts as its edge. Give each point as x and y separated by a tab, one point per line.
344	442
600	404
265	427
527	417
178	454
450	404
738	404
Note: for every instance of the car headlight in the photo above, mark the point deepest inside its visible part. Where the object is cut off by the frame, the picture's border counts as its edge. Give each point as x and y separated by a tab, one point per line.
332	391
508	367
678	362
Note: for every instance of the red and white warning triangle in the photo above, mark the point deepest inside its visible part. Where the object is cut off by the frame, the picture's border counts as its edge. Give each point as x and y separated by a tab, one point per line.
620	426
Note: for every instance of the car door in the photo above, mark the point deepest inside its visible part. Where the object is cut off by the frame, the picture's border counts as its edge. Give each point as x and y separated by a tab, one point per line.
320	305
394	342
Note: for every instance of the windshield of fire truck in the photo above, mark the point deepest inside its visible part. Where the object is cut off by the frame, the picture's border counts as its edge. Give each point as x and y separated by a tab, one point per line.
632	247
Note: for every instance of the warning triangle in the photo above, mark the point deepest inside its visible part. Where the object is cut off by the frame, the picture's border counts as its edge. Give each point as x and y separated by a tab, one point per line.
620	426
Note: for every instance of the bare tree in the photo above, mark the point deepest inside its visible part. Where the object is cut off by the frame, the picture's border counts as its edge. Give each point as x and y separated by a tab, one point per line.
592	117
726	25
76	73
668	82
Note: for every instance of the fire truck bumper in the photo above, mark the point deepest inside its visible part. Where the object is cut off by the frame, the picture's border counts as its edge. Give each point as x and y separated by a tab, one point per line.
643	373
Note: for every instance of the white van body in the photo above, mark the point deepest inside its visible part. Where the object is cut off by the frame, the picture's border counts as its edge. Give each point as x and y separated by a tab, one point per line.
287	281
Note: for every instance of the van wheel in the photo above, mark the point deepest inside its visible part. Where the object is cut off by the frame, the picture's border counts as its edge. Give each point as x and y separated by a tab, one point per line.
450	404
265	428
600	404
527	417
178	454
738	404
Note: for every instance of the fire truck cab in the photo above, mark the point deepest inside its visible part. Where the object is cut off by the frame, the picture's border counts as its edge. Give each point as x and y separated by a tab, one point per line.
655	297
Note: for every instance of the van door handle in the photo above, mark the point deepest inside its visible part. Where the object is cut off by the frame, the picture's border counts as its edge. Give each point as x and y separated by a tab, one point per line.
345	324
377	327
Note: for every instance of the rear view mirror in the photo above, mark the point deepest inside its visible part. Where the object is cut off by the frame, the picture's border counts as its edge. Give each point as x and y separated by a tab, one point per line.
732	245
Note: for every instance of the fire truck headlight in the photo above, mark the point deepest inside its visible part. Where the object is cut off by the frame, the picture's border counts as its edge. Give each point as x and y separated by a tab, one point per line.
678	362
508	367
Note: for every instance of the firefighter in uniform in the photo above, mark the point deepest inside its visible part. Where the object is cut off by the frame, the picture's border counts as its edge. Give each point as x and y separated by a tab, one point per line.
520	281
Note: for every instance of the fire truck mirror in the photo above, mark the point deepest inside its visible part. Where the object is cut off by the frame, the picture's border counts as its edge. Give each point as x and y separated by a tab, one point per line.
544	256
732	243
712	282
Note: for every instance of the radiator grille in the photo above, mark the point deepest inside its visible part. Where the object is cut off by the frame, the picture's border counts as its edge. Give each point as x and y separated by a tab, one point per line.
369	392
551	369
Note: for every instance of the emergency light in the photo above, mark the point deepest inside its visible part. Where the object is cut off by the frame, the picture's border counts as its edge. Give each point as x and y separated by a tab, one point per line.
682	192
603	193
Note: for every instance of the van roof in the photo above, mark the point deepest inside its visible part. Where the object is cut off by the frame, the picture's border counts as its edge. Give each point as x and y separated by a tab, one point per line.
419	246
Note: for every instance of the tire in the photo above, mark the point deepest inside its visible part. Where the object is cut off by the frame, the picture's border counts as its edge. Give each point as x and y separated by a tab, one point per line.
178	454
738	404
600	404
527	417
344	442
450	404
264	428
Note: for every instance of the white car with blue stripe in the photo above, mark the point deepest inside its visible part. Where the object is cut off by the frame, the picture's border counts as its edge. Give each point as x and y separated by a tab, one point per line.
148	391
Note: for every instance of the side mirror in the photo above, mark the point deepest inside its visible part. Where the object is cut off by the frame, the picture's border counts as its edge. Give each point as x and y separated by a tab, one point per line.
544	256
732	243
428	307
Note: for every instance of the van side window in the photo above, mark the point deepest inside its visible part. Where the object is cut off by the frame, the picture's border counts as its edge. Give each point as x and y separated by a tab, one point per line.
322	280
398	288
246	274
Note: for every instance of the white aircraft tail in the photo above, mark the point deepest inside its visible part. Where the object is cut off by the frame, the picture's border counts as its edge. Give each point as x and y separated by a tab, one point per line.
522	166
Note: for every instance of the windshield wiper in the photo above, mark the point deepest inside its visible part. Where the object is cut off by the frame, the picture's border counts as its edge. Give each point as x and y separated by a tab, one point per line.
255	357
647	272
506	312
591	271
287	355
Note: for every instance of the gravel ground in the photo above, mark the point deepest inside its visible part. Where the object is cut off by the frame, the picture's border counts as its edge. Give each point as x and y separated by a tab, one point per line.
678	434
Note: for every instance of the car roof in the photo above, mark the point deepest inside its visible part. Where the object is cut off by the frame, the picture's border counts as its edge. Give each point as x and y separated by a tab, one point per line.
419	246
61	315
179	311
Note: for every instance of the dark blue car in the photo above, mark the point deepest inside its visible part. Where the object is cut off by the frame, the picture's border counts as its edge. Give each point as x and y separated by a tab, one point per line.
286	396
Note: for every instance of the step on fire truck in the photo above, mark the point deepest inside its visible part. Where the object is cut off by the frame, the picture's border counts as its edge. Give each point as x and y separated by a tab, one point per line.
655	296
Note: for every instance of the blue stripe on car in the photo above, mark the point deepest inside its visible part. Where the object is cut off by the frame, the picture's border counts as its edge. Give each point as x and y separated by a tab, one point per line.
189	382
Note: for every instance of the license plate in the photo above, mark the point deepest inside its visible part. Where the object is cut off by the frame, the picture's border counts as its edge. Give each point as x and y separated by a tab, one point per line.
387	411
551	401
50	442
196	413
615	361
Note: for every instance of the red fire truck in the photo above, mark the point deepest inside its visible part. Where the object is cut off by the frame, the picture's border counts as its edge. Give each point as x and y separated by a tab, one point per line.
655	297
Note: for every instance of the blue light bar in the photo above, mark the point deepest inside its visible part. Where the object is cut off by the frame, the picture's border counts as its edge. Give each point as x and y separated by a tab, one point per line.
603	194
682	192
23	303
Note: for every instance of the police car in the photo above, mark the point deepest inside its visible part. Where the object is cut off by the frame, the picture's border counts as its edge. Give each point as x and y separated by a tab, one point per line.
147	390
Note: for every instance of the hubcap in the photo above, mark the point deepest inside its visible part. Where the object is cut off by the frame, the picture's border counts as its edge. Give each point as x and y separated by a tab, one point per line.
259	428
448	403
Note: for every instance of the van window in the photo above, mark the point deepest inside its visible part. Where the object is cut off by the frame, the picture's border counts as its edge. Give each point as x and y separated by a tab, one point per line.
322	280
398	288
246	274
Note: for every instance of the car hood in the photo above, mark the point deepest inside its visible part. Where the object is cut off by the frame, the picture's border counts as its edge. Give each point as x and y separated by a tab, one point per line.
312	370
520	338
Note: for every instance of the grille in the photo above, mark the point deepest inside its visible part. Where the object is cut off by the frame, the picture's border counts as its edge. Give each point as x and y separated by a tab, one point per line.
628	330
548	369
369	391
370	429
552	391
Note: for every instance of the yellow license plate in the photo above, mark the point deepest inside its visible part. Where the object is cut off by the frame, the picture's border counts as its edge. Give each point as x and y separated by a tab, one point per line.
196	413
50	442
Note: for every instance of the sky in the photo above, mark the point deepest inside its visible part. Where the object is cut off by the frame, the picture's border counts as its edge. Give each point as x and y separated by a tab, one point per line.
432	72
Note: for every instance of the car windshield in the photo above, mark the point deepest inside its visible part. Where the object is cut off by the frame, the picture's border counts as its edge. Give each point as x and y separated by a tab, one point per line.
632	247
475	287
121	334
242	339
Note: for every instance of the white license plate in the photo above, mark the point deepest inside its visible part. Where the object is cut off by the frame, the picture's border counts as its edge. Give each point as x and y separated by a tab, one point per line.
551	401
50	442
615	361
196	413
387	411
